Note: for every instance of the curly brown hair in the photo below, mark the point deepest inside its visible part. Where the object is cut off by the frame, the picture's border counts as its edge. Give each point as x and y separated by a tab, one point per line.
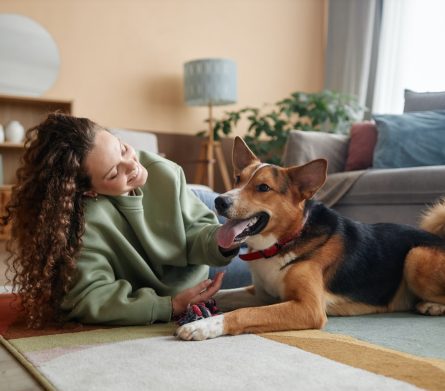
46	213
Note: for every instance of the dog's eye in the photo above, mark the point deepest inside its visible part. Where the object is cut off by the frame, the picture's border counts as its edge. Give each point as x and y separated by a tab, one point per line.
237	179
263	188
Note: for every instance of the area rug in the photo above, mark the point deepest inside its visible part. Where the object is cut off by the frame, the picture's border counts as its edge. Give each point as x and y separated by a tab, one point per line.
78	357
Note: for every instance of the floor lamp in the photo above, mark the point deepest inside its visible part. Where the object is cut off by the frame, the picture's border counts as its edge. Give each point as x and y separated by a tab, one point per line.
210	82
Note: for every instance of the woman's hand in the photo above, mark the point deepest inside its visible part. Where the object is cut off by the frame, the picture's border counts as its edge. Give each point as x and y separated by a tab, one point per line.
199	293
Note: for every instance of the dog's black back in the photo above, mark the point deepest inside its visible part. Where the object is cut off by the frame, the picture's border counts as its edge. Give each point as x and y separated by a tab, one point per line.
373	257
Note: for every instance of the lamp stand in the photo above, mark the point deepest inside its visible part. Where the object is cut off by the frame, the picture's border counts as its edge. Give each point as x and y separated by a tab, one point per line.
210	149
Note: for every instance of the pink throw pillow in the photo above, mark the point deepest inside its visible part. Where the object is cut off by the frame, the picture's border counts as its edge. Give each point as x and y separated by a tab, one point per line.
363	137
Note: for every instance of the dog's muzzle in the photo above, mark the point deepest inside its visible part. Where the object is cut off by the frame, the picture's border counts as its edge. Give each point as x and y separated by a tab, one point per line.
222	204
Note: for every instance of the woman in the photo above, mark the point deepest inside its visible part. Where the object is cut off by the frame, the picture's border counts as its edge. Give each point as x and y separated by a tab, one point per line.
102	234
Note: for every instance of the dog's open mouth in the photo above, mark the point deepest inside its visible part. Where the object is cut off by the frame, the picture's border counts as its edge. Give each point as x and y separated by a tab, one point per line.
236	231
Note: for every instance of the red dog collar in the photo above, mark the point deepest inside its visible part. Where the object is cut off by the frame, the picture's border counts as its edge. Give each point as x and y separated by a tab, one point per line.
268	252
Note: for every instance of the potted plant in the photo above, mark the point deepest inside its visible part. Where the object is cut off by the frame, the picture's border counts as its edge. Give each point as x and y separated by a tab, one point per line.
268	128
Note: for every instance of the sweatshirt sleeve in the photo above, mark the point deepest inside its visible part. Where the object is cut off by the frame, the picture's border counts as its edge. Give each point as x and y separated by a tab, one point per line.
201	226
97	297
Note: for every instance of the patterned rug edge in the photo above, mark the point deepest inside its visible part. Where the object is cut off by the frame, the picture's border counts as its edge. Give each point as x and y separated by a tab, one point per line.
34	372
422	372
419	371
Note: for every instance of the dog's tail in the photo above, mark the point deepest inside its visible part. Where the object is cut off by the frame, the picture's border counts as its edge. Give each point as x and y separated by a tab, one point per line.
433	219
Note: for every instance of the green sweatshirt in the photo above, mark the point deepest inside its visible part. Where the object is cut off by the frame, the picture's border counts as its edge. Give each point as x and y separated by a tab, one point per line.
140	250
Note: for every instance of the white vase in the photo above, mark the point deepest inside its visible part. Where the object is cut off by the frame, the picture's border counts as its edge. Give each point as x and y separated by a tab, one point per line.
2	134
14	132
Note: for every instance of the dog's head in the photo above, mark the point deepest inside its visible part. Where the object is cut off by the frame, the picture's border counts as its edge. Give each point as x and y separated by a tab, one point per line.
267	203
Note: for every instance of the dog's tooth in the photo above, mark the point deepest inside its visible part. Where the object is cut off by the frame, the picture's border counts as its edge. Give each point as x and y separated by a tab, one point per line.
252	221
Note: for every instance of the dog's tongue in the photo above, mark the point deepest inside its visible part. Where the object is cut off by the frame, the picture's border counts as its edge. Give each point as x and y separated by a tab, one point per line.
227	233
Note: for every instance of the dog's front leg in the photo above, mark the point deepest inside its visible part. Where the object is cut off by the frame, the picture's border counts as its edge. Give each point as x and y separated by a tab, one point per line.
290	315
249	296
226	300
304	309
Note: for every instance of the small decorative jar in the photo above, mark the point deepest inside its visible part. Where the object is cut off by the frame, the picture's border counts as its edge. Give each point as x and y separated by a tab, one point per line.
14	132
2	134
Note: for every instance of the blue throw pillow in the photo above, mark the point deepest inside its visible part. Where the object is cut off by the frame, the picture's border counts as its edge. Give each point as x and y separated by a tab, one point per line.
410	140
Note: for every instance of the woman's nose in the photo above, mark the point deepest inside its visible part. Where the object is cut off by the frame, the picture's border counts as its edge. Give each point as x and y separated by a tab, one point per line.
130	165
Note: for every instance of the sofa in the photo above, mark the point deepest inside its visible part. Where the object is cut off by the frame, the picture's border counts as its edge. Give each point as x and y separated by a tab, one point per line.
386	170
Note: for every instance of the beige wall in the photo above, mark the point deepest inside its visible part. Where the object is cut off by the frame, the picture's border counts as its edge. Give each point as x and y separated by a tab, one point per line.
121	60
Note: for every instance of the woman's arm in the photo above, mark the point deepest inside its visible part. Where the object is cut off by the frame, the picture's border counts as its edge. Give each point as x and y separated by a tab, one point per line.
97	297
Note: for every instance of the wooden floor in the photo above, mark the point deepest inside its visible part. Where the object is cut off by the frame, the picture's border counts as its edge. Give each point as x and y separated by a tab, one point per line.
12	374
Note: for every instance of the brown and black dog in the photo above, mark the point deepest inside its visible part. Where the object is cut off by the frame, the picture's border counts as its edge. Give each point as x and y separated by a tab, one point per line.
307	261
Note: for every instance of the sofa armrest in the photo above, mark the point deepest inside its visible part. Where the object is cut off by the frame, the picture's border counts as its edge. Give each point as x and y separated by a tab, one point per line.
138	139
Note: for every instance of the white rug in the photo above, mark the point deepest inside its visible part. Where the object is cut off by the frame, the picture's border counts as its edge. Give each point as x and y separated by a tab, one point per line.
244	363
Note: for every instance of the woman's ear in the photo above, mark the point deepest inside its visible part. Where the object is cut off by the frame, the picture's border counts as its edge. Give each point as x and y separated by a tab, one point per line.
90	193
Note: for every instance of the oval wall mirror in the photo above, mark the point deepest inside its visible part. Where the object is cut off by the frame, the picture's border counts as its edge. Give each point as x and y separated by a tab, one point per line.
29	57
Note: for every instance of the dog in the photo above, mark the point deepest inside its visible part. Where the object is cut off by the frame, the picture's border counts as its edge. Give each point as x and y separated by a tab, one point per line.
308	261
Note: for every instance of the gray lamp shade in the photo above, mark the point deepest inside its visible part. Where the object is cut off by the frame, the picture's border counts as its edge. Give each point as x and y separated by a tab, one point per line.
210	81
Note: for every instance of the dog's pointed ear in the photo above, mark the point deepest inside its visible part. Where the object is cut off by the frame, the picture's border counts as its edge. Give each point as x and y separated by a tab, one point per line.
242	156
310	177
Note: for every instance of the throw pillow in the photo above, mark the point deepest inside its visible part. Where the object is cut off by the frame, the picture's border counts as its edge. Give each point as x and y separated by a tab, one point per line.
410	140
304	146
362	140
422	101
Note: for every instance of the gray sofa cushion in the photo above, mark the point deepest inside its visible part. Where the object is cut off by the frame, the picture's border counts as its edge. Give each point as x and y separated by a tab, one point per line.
370	213
396	195
304	146
397	186
422	101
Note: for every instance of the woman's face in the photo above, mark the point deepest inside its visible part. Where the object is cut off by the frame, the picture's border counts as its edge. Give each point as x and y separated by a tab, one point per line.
113	166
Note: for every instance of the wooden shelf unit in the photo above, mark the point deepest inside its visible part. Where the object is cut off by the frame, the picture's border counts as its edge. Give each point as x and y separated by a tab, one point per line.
29	111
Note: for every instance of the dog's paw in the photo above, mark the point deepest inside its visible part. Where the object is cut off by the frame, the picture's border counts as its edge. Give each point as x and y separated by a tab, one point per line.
202	329
428	308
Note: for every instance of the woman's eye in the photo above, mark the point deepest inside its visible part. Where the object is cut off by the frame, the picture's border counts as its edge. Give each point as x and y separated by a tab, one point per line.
237	179
263	188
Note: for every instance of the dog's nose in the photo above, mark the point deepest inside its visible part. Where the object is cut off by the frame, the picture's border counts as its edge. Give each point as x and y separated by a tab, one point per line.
222	203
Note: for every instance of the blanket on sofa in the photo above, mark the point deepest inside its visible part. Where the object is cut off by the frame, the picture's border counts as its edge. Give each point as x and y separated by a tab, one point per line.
149	357
336	186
